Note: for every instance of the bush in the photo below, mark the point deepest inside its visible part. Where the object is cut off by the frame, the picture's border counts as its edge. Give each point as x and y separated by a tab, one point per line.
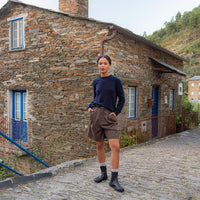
127	140
178	121
5	173
196	108
186	105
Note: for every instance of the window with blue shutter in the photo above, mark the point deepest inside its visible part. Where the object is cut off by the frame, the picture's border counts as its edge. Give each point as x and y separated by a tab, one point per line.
17	33
132	93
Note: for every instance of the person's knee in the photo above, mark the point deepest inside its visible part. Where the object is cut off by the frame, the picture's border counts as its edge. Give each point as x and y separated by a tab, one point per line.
115	147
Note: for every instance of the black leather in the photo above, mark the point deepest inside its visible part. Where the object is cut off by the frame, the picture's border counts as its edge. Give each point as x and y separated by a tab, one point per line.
103	175
114	182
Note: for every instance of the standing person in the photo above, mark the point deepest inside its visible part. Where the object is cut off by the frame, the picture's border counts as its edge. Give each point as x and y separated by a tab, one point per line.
107	104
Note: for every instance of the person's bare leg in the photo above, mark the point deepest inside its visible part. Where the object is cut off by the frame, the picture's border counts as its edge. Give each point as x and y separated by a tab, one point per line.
100	152
115	149
102	159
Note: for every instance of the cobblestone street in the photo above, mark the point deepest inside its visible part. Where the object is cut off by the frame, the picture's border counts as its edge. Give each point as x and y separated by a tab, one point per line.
165	169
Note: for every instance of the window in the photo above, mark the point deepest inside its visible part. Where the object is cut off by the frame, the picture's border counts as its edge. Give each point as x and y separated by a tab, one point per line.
171	103
17	34
17	106
192	93
192	84
132	102
180	89
20	105
192	100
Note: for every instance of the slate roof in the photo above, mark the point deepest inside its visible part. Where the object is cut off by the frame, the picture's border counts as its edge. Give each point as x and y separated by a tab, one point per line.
195	78
169	68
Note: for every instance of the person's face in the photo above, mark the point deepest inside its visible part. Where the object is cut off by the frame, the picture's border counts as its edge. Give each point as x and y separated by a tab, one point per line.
103	66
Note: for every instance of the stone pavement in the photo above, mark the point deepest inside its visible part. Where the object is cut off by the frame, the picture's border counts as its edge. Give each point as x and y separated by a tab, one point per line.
164	169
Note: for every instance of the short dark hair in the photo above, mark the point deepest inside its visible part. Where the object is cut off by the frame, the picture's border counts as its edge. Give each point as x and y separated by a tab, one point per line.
106	57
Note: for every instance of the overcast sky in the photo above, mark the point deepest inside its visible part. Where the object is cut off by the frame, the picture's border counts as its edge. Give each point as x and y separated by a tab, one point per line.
136	15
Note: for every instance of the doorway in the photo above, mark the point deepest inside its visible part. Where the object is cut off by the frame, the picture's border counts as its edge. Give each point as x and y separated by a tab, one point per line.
155	97
19	116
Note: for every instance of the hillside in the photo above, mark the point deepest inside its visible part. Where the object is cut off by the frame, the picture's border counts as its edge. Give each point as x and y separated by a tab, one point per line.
182	36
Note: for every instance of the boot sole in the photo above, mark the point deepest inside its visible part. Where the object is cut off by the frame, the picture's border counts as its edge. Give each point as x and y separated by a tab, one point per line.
100	180
118	190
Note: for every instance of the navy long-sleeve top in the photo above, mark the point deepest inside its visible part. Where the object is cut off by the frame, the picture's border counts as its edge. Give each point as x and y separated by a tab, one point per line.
108	93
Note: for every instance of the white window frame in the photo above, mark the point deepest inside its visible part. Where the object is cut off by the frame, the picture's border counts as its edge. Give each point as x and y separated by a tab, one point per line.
132	101
25	106
17	33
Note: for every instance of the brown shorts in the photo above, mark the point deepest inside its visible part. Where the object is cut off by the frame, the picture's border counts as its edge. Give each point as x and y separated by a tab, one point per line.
102	125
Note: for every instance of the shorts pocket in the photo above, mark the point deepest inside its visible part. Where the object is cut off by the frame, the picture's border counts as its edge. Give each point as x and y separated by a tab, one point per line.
111	118
92	113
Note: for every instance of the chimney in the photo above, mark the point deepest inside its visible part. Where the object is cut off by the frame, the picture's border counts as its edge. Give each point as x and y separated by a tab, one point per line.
77	8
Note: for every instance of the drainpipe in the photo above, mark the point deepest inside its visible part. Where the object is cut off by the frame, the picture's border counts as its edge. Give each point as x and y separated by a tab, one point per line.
107	38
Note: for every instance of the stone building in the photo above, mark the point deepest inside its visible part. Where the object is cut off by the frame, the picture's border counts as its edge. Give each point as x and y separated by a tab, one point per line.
48	62
194	89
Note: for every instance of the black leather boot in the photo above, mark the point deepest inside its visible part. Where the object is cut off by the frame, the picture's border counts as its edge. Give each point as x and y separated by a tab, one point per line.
103	175
114	182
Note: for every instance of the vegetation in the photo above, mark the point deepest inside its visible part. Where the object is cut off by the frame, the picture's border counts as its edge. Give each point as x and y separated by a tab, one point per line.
196	108
178	121
5	173
11	161
127	140
133	138
181	27
186	105
181	35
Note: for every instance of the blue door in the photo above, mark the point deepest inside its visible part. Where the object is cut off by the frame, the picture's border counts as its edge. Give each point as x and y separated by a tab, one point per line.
19	121
155	93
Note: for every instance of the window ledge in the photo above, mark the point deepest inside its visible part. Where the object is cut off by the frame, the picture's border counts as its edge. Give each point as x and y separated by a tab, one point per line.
16	50
131	118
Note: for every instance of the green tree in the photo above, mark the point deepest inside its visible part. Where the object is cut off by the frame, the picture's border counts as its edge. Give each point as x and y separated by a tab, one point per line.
178	16
144	34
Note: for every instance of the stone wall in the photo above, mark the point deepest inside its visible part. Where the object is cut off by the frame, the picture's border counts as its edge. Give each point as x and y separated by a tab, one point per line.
56	68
